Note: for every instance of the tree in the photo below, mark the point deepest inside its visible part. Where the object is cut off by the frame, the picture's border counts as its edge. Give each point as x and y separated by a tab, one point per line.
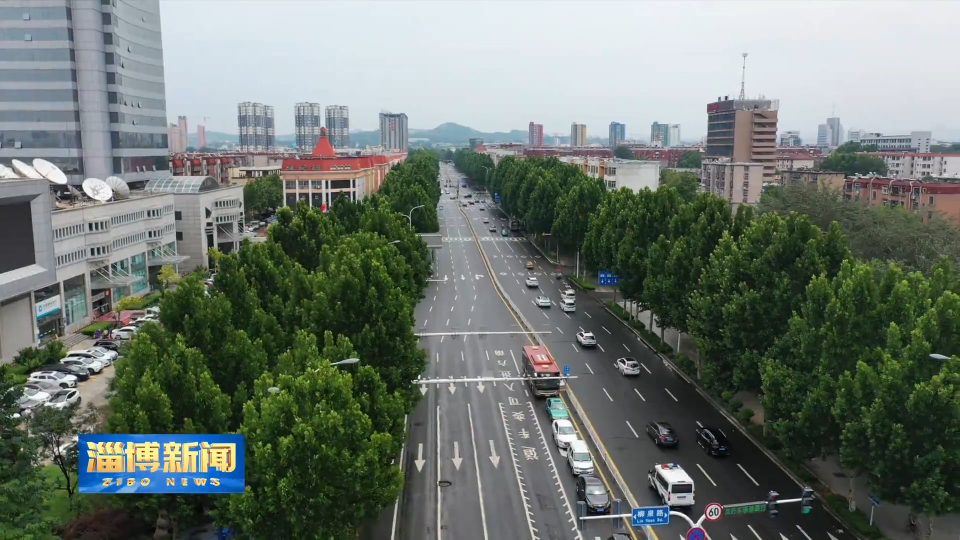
685	183
542	202
851	164
624	152
573	211
852	147
55	429
647	220
476	166
605	230
262	194
311	447
168	277
690	160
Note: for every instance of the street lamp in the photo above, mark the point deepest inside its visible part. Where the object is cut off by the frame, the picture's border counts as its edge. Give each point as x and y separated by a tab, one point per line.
940	357
344	362
394	242
410	214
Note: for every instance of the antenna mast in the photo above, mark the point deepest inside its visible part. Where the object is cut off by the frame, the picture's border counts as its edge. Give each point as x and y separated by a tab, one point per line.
743	77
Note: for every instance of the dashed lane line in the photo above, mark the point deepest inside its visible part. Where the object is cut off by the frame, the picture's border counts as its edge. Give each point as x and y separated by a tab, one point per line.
516	469
625	347
646	368
707	475
607	394
600	347
632	430
639	394
671	395
590	369
748	475
568	510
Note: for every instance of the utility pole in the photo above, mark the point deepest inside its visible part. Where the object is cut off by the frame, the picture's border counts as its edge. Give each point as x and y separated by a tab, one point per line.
743	77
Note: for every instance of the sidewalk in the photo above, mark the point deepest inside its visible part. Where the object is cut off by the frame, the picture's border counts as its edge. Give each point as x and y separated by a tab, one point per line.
890	519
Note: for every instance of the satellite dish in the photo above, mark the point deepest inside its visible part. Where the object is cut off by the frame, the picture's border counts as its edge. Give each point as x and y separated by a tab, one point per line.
50	171
26	171
120	188
7	172
97	189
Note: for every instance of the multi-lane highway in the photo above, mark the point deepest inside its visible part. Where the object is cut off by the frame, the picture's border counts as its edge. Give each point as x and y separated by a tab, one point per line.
480	462
616	407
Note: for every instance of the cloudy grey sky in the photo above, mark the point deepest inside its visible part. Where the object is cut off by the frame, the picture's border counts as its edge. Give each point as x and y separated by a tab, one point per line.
886	66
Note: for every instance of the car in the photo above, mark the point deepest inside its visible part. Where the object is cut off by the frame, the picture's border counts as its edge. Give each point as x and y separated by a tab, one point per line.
503	219
104	356
58	377
81	373
662	434
586	339
153	310
568	293
504	232
464	204
126	332
619	536
531	281
529	265
628	366
109	344
26	407
92	366
64	399
713	441
33	394
471	203
563	433
144	320
481	209
485	220
42	386
542	301
556	409
591	491
493	229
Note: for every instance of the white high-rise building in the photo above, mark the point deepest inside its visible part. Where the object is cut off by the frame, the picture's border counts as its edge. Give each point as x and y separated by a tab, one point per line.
338	125
830	135
394	134
255	122
674	138
307	123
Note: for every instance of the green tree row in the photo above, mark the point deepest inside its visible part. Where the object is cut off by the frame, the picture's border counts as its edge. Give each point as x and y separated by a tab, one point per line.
263	194
850	159
253	355
476	166
839	349
415	183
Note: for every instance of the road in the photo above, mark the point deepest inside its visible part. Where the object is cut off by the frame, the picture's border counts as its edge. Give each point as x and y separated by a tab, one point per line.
619	408
477	462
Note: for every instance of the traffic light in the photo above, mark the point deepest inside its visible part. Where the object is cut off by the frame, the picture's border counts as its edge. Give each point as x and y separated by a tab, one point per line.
806	498
772	503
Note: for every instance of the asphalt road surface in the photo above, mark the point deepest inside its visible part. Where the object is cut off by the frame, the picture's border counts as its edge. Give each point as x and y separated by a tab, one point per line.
619	408
479	464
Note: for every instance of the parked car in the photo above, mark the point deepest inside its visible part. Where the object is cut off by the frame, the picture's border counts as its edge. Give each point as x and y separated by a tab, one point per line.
104	356
125	333
81	374
59	377
27	407
64	399
43	386
109	344
32	394
93	366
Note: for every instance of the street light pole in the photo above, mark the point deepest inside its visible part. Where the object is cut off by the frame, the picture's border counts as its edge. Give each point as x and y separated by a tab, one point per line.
344	362
410	214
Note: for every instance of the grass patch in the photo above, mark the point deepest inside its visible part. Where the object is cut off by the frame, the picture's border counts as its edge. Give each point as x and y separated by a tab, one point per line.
18	373
582	283
59	509
146	301
92	329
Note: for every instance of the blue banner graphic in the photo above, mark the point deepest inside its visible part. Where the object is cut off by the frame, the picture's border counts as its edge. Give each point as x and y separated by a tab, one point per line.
160	463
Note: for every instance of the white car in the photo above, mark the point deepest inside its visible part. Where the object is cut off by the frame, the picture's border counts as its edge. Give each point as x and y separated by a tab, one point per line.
105	357
127	332
59	378
628	366
64	399
143	320
563	433
44	386
154	310
485	220
532	281
542	301
91	365
32	394
586	339
108	354
568	294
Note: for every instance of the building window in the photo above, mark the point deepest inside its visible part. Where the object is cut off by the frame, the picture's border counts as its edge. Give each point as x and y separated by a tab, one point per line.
179	236
931	199
177	215
74	300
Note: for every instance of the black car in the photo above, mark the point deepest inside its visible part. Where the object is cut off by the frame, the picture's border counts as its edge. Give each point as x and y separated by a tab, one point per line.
109	344
81	374
662	434
713	441
592	491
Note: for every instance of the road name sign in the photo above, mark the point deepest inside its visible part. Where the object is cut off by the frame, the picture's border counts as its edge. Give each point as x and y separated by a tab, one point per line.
696	533
874	500
566	373
650	515
713	512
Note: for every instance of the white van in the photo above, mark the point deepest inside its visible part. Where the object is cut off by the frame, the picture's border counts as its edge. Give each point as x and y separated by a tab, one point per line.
672	483
567	304
578	458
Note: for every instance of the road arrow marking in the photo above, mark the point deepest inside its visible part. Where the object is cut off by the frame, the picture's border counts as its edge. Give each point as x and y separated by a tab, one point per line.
423	389
502	362
478	276
462	278
832	537
494	458
480	387
509	386
456	455
419	461
453	389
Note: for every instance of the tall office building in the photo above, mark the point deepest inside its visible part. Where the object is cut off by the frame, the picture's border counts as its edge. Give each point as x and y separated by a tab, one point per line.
618	134
673	133
830	135
394	134
306	125
83	88
183	132
743	131
201	136
338	125
664	135
535	134
174	139
256	127
578	134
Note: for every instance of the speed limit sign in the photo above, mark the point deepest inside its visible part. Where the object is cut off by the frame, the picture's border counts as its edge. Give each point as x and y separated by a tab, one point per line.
713	511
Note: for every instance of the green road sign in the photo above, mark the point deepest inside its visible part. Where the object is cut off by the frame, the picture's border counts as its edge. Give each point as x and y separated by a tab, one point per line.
746	509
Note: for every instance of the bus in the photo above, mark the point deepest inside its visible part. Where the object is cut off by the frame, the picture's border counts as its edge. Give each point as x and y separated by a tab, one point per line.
537	362
514	225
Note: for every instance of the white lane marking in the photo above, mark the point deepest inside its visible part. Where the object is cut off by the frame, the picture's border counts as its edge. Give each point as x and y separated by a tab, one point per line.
605	328
646	368
488	354
707	475
462	359
590	369
581	329
518	281
748	475
516	472
587	314
439	493
396	505
544	314
699	424
607	393
575	347
625	347
804	533
438	357
476	464
474	296
754	532
639	394
441	339
425	321
448	322
671	395
430	310
435	296
451	308
558	329
567	314
601	347
632	430
556	476
471	309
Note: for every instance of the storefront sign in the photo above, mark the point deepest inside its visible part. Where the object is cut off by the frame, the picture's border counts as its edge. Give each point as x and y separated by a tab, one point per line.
48	307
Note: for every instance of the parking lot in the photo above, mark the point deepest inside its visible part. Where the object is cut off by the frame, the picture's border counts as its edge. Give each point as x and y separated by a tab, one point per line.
93	391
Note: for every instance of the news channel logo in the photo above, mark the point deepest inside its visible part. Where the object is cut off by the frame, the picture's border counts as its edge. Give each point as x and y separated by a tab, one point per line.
160	463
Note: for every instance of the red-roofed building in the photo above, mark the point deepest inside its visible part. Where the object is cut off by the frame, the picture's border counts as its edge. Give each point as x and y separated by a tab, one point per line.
323	176
927	198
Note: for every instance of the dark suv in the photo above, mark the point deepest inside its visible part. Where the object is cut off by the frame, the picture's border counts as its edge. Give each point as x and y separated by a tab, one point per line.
713	441
662	434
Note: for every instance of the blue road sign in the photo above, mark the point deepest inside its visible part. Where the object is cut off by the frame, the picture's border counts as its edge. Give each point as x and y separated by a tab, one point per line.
696	533
496	197
566	373
651	515
874	499
607	278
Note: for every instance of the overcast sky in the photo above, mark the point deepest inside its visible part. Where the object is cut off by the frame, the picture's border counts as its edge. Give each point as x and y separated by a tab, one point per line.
887	66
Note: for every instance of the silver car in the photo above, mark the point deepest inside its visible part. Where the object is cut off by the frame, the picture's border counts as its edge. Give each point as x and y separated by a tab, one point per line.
628	367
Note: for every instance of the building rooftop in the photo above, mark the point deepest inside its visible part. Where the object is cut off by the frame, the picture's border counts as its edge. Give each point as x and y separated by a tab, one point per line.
182	184
323	149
